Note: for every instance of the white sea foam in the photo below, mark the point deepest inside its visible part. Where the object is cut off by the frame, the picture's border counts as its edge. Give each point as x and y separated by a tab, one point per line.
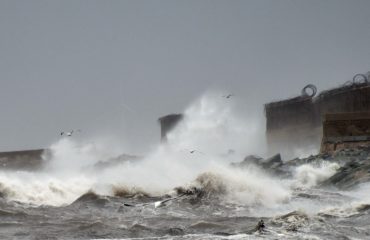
210	126
42	188
309	175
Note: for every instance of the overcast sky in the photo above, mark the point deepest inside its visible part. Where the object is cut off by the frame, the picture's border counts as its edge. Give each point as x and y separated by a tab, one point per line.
116	66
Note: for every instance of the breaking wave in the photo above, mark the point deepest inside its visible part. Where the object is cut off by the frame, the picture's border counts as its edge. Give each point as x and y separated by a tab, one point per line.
210	126
79	171
309	175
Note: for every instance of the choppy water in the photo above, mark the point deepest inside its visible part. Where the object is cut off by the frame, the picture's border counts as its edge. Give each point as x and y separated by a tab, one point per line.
217	204
84	193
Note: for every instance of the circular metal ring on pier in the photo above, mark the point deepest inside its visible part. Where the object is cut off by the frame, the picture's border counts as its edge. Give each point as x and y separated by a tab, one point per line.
307	93
360	78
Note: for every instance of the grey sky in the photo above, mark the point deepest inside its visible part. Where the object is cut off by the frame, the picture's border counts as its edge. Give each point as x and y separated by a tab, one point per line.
82	64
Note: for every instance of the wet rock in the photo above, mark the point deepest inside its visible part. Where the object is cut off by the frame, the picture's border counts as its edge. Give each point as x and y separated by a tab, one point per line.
272	162
251	159
355	166
352	173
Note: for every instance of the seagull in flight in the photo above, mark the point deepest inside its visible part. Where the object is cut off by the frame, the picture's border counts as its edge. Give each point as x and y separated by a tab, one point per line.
195	151
70	133
228	96
191	151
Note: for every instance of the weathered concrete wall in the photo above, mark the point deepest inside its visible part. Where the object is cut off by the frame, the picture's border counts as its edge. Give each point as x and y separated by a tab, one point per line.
167	123
297	122
355	98
345	130
292	112
27	159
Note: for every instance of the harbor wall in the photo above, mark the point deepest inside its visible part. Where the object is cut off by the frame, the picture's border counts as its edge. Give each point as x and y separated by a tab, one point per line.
297	123
25	159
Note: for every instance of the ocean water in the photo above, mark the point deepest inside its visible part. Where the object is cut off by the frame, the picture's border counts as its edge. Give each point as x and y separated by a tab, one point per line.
174	192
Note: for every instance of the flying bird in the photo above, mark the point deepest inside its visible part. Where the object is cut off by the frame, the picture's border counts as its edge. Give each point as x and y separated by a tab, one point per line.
195	151
70	133
228	96
191	151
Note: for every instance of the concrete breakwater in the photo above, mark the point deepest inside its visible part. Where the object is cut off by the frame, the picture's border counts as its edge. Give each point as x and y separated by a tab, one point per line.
297	121
37	158
26	159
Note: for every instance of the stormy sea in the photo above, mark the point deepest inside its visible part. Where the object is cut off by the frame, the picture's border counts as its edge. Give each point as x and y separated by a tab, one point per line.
212	179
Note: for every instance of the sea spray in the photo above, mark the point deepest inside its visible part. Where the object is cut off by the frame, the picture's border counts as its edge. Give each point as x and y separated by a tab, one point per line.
214	126
69	157
309	175
211	127
195	150
42	188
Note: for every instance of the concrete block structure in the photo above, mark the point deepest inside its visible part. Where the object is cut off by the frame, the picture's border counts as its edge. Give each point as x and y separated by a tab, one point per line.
167	123
297	123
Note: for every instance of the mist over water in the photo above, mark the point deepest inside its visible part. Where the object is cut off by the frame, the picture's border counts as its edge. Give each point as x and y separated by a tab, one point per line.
197	156
213	124
211	127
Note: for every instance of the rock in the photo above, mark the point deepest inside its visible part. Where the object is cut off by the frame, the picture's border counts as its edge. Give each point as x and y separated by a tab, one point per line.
350	175
273	162
251	159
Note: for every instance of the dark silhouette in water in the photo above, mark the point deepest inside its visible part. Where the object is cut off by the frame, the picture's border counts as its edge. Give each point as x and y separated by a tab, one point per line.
260	226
